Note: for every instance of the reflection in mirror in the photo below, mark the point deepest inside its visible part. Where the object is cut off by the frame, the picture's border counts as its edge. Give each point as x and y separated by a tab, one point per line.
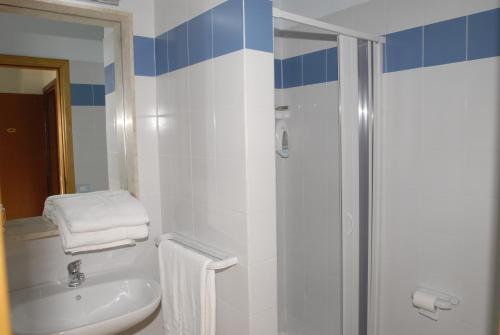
60	112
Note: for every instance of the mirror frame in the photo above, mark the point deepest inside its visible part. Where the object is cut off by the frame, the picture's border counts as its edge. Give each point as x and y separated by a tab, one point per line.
122	24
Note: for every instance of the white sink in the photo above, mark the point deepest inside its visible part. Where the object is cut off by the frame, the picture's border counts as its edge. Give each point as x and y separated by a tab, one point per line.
96	308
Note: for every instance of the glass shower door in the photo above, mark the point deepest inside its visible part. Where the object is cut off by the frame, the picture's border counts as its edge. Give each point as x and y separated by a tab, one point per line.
308	182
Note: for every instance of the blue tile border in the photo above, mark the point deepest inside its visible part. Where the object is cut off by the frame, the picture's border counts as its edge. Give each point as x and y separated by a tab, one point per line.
312	68
445	42
200	38
278	73
484	34
161	54
88	95
81	95
144	56
259	25
177	47
228	27
403	50
238	24
292	72
332	65
98	94
231	26
470	37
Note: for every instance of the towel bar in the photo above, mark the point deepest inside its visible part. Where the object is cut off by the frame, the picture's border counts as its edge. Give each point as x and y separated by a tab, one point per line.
221	260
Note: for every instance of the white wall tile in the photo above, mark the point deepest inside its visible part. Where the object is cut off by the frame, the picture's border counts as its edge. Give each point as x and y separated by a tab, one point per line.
86	72
231	321
264	323
145	96
262	281
204	180
231	184
202	114
229	81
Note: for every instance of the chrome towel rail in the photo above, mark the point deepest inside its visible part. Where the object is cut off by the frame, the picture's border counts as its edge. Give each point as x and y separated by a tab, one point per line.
220	259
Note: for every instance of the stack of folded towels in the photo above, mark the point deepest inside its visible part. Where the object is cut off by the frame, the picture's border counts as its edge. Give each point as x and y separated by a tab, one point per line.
97	220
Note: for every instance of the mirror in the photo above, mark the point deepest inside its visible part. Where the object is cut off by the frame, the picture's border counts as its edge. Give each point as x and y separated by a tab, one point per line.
64	125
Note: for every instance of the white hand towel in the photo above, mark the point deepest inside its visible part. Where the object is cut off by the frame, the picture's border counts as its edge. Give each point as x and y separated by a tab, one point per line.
103	246
188	301
104	239
85	212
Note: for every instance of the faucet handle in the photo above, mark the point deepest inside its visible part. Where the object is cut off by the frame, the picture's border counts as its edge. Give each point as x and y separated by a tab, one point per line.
74	267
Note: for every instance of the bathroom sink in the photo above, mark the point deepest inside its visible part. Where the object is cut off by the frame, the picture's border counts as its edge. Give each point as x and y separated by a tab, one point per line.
96	308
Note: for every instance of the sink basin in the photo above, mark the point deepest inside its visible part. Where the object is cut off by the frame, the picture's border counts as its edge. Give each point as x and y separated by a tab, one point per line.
95	308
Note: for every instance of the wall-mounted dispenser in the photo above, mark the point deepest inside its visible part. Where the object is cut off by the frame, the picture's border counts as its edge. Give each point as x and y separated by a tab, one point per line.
282	139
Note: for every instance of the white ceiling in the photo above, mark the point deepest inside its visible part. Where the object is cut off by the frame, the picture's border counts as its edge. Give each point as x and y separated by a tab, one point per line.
24	81
316	8
28	24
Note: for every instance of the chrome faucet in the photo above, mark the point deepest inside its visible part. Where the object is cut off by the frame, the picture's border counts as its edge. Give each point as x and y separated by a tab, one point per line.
76	278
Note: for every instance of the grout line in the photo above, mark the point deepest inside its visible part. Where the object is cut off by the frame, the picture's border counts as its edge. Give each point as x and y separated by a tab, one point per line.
467	37
423	47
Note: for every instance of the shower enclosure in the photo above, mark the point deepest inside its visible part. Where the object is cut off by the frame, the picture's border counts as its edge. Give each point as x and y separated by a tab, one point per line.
324	97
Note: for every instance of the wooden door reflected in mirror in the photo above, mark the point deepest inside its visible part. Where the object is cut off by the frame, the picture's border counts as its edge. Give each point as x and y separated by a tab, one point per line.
35	133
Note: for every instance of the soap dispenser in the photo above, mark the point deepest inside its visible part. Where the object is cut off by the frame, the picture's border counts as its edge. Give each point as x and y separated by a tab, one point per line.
282	139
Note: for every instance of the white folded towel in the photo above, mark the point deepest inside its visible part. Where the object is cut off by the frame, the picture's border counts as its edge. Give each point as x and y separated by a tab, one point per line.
188	301
103	239
86	212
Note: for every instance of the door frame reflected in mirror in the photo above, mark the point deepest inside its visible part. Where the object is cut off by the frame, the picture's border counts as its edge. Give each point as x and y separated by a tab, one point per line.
63	111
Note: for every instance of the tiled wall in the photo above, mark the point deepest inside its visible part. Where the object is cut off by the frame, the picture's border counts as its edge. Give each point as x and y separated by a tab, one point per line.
214	70
440	125
308	189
